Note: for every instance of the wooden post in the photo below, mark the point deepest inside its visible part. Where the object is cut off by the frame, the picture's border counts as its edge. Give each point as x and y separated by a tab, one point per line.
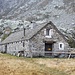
69	55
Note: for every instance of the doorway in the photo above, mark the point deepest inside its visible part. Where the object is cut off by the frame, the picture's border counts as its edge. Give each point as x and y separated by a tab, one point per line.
6	48
48	49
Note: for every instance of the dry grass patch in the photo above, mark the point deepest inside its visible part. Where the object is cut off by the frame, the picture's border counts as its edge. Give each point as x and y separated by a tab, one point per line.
65	65
11	65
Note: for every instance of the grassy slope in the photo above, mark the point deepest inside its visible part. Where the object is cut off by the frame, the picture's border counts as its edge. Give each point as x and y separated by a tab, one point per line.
11	65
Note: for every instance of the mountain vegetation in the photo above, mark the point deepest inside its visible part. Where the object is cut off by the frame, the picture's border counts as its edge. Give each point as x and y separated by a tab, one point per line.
71	40
60	12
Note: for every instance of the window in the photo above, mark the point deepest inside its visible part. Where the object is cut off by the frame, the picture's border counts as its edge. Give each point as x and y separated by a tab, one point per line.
48	33
61	46
23	44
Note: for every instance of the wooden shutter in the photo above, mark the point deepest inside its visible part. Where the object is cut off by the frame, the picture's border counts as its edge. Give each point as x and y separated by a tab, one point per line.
44	31
50	33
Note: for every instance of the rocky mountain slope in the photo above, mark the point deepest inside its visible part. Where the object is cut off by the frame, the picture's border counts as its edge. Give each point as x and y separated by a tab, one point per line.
60	12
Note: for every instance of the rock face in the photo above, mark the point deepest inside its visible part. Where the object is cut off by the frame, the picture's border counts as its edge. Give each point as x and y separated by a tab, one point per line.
60	12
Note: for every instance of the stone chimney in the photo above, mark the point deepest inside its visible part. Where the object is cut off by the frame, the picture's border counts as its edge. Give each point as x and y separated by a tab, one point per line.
24	31
33	25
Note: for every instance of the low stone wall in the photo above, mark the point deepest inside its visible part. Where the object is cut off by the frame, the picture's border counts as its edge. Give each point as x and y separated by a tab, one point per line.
71	49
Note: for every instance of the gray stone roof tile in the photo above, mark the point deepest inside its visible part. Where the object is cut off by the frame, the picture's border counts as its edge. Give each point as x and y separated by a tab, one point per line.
16	36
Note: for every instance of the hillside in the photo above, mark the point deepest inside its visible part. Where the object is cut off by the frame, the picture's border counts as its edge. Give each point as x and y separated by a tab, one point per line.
11	65
60	12
19	13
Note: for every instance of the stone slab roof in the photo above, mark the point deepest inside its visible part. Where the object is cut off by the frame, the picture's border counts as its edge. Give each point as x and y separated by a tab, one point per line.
33	32
17	36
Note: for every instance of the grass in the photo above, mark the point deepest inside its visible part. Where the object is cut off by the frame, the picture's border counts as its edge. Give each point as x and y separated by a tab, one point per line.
12	65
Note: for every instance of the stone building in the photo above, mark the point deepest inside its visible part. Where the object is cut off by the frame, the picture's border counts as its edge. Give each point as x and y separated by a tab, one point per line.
44	40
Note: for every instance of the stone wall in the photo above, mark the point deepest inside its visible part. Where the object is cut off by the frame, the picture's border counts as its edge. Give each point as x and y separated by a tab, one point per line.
37	44
2	48
27	52
13	48
71	49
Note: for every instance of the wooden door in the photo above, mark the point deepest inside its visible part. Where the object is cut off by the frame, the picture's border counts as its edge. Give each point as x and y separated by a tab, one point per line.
48	49
5	48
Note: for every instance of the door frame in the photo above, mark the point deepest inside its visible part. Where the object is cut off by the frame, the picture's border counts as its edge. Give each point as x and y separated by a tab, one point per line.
5	48
48	53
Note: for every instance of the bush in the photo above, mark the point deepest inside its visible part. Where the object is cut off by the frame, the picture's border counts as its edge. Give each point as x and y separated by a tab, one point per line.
5	36
71	42
1	33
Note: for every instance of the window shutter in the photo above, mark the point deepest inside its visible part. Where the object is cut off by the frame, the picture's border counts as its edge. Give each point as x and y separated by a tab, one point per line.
44	31
50	33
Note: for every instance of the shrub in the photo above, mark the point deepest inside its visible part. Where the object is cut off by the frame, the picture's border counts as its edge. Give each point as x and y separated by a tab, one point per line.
71	42
5	36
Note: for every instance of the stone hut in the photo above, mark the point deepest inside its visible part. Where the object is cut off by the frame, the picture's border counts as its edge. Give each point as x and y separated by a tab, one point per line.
44	40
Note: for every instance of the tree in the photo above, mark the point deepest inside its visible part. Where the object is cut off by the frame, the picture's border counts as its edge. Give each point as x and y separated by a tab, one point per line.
71	40
5	36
